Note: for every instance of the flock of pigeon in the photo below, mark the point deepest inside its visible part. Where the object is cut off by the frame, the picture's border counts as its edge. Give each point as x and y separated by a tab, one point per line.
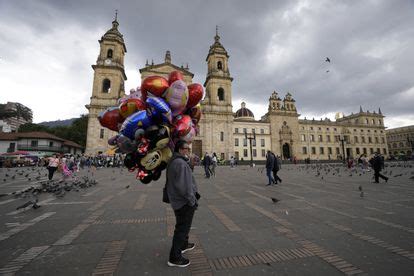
35	177
392	170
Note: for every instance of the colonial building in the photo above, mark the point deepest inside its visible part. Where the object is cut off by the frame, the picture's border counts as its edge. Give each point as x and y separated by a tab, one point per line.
14	115
230	134
401	141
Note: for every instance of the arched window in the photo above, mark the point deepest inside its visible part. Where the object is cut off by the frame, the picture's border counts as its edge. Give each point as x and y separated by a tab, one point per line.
366	121
106	86
109	53
379	122
219	65
220	94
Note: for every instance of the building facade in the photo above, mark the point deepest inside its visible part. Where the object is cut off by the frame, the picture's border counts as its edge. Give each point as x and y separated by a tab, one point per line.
401	141
15	115
229	134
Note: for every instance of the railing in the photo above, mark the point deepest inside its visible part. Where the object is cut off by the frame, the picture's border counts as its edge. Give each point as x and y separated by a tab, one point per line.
38	148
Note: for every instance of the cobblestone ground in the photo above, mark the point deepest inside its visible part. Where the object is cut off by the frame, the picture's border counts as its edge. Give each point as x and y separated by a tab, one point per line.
327	221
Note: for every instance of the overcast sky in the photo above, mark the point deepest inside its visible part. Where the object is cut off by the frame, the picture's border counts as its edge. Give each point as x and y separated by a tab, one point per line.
48	47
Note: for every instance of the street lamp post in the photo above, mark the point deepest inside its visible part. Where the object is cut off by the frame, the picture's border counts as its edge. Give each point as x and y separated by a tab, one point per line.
250	136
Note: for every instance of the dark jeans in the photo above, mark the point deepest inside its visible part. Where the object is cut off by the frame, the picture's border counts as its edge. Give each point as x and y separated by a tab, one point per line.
207	171
183	218
51	171
377	175
276	177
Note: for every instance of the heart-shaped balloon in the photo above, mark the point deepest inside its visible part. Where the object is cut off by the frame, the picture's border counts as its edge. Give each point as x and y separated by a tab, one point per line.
195	94
155	85
110	118
175	75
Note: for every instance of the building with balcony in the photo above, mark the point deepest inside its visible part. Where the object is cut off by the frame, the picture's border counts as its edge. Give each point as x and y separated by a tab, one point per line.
37	143
401	141
14	115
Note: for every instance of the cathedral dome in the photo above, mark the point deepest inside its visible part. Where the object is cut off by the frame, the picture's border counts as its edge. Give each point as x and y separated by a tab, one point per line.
244	113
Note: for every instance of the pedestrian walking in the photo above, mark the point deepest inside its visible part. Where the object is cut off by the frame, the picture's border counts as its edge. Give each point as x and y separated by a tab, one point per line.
53	165
207	164
270	160
213	164
277	165
377	165
182	194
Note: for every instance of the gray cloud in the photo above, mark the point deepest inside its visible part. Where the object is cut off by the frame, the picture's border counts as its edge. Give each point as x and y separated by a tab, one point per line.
277	45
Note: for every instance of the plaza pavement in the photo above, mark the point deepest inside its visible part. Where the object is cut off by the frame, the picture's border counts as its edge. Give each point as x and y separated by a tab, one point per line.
322	225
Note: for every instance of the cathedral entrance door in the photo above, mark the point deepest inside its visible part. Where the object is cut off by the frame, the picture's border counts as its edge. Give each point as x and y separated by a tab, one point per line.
197	146
286	151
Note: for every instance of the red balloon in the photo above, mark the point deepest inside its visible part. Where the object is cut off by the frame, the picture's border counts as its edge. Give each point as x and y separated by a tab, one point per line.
110	118
183	125
131	106
173	76
195	94
156	85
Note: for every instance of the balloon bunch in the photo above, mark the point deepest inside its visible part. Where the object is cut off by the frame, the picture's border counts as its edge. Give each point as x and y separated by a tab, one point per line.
151	119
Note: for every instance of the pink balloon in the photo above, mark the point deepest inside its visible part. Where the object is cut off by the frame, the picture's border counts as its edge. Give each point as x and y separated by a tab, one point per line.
177	96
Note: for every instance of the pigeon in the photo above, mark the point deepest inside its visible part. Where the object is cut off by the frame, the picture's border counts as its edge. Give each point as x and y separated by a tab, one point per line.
126	187
275	200
327	71
360	188
327	60
28	204
362	194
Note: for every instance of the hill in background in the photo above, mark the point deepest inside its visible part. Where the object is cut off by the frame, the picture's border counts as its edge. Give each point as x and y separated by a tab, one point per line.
57	123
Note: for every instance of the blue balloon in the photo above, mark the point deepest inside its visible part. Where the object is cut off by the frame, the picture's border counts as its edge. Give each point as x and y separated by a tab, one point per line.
137	120
159	108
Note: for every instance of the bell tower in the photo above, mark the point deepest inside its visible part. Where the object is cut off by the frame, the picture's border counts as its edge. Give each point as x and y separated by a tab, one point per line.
108	86
216	125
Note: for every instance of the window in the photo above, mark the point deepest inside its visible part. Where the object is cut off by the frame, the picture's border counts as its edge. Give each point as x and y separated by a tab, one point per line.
244	142
304	150
219	65
236	130
384	150
311	128
329	150
376	140
262	142
263	153
254	153
12	147
356	139
50	144
236	154
369	130
373	121
303	138
363	139
320	138
364	150
220	94
261	131
369	140
253	130
319	128
106	86
371	150
245	152
109	53
313	150
33	143
337	150
335	129
378	150
312	138
328	138
382	140
327	128
253	142
336	138
355	130
221	136
379	122
321	150
101	134
244	130
222	155
357	151
236	142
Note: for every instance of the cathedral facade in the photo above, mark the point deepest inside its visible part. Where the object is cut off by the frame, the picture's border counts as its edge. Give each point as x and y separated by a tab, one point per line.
236	134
